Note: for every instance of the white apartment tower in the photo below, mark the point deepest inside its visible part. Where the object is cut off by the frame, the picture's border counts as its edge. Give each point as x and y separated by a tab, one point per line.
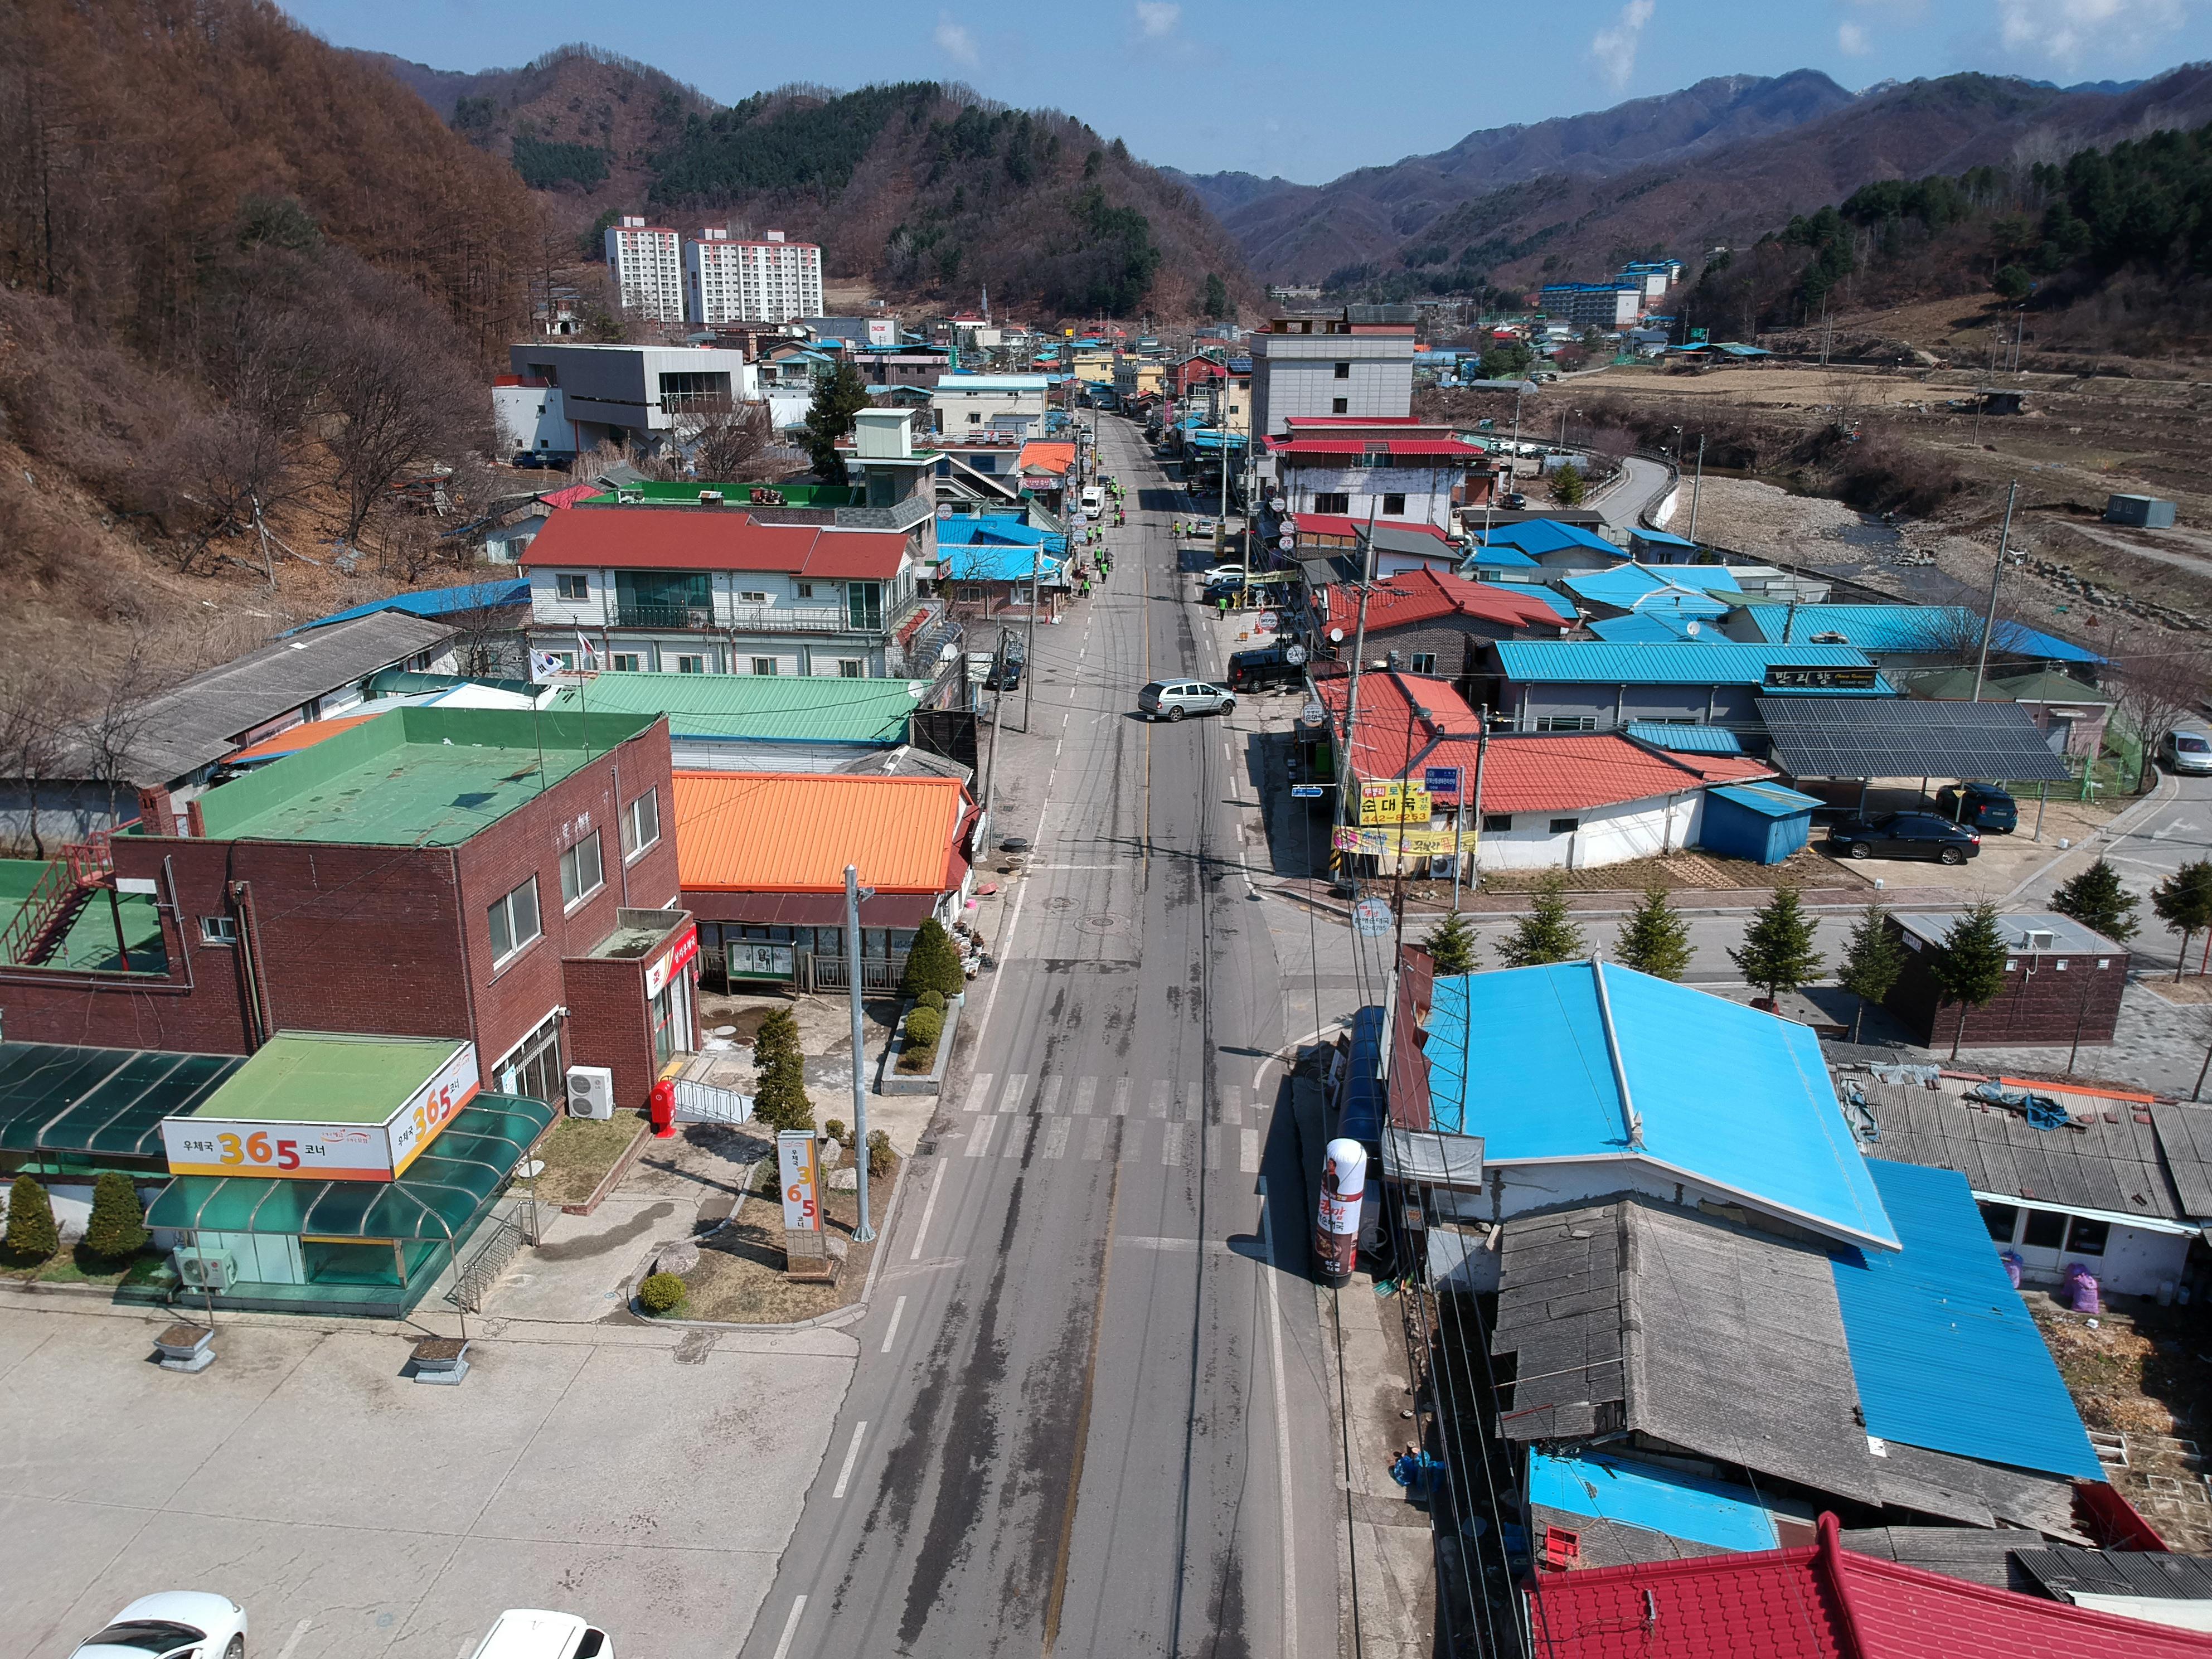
730	281
647	263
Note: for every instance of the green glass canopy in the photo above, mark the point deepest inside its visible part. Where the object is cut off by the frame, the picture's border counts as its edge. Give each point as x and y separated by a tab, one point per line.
57	1099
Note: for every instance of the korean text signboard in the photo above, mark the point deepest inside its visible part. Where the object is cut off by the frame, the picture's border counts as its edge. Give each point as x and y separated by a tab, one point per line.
303	1149
678	955
800	1169
1783	677
1388	800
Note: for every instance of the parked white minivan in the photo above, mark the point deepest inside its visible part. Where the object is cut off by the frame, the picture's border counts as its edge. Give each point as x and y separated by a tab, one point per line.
534	1633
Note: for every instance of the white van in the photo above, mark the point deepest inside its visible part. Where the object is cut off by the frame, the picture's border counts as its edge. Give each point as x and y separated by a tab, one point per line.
533	1633
1093	500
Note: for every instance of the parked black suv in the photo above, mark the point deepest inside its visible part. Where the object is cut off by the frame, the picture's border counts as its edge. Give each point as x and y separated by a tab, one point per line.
1978	806
1264	665
1904	835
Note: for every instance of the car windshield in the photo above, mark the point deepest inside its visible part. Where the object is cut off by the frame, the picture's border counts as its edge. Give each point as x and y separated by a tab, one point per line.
2190	744
149	1635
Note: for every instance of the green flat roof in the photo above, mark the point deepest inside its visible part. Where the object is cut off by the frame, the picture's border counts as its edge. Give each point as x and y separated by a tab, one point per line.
317	1077
662	494
761	708
415	777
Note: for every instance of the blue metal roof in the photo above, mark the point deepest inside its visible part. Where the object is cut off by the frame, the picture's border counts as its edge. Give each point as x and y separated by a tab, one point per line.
1680	739
1659	538
1633	584
1727	1095
1662	1500
1645	627
1559	602
1499	558
1768	799
1538	536
436	602
996	529
1937	628
1573	662
1946	1354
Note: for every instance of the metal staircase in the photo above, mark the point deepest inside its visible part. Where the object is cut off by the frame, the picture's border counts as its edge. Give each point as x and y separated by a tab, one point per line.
51	908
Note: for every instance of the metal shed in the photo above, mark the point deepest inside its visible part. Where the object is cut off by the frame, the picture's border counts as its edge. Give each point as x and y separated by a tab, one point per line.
2147	511
1762	821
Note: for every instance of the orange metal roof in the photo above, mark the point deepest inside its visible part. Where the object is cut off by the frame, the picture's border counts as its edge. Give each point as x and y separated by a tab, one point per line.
795	832
1043	455
304	735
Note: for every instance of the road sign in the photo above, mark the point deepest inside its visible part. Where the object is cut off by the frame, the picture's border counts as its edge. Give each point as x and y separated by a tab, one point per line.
1269	622
1372	917
1313	714
1295	655
1442	779
1286	541
1307	791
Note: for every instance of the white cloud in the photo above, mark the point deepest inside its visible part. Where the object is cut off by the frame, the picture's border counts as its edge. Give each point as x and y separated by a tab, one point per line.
955	41
1614	48
1156	18
2066	31
1852	37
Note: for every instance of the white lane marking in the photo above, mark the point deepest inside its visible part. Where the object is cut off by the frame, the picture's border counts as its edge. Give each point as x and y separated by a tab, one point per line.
1121	1097
1087	1094
852	1457
1056	1136
899	1312
1248	1151
1049	1097
293	1640
1172	1246
1018	1086
1231	1109
1171	1151
1193	1110
1094	1139
1290	1637
1016	1141
1163	1094
979	1092
790	1628
936	1186
980	1142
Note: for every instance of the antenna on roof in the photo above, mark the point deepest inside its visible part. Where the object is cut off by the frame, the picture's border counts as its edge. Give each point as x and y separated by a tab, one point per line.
1628	1112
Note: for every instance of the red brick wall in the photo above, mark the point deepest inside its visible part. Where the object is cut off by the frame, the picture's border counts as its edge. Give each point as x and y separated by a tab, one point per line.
2038	1008
609	1024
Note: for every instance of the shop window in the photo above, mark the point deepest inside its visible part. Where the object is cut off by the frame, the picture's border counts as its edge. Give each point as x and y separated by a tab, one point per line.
2047	1230
514	922
2087	1238
640	824
572	587
1498	820
2001	1220
218	930
581	872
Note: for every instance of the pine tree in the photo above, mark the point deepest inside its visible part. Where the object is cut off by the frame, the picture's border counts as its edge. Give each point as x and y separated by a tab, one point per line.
2183	902
838	397
1216	298
2096	899
1874	957
778	1036
932	962
1450	945
1777	952
779	1099
118	1226
32	1235
1655	939
1969	966
1567	485
1547	933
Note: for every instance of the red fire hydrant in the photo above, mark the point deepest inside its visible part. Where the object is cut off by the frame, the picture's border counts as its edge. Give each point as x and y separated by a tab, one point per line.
661	1108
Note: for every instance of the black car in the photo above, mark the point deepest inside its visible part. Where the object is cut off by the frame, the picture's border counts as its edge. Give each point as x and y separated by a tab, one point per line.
1979	807
1904	835
1006	671
1266	665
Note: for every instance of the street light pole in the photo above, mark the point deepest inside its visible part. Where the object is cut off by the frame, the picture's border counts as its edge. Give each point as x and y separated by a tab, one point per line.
854	891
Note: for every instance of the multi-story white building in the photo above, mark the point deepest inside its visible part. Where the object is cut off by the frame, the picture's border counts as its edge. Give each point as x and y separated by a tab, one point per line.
729	281
1331	366
647	263
968	406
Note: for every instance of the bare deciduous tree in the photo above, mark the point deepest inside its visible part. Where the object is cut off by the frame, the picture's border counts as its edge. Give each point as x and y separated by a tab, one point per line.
2154	692
105	735
32	748
731	443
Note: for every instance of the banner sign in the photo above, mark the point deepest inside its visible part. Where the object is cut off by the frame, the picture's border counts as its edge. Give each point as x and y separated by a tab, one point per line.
1391	800
1780	677
1336	1227
305	1149
1425	843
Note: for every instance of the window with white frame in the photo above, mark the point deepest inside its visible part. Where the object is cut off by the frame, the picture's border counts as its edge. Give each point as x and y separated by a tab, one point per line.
691	665
763	665
572	587
1423	662
218	930
581	872
513	921
753	596
640	824
851	668
626	662
1567	722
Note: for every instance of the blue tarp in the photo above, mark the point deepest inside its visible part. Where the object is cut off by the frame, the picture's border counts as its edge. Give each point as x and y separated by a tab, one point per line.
1657	1500
434	601
984	561
1945	1353
1520	1057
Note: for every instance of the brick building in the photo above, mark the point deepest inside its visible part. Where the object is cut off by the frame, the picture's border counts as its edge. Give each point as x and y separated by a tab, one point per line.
504	877
2060	978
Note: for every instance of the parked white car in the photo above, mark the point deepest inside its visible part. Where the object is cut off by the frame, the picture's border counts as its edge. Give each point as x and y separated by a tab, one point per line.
172	1625
534	1633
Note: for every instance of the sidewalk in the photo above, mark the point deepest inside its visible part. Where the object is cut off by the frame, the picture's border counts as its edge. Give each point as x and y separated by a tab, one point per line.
1389	1573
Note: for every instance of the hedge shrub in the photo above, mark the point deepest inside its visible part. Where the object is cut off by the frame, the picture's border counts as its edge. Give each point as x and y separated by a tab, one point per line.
930	999
31	1231
933	962
879	1154
661	1293
117	1227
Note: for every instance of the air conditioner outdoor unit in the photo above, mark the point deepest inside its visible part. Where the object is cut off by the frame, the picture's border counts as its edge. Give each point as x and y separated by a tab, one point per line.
2037	939
591	1091
206	1270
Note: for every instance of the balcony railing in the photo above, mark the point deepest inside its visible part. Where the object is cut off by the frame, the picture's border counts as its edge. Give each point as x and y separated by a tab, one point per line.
627	615
764	618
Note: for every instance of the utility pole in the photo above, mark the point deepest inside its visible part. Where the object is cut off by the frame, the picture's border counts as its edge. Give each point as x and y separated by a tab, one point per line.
998	708
853	892
1028	651
1990	621
1349	773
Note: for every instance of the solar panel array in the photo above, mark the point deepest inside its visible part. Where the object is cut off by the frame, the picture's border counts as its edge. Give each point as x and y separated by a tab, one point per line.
1897	737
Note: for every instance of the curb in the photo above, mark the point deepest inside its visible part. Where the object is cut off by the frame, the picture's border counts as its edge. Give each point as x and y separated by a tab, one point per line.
889	1083
615	1172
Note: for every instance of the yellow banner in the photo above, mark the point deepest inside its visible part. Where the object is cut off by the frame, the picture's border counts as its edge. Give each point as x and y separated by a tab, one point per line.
1392	800
1424	843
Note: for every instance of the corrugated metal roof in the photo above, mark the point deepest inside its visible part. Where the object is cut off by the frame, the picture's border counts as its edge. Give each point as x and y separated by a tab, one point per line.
1633	584
1640	628
1561	771
1520	1057
1500	558
1770	799
1680	739
765	708
784	832
709	538
1536	535
434	602
1926	627
1574	662
1943	1308
1662	1500
1559	602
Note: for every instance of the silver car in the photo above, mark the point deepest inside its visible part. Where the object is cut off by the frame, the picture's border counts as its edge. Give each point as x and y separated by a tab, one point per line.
2186	751
1170	699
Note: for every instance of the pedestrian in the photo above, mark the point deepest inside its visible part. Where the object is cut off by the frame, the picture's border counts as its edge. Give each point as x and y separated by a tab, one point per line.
1086	588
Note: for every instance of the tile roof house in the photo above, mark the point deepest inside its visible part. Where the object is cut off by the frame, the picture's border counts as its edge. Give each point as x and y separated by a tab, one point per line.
1434	624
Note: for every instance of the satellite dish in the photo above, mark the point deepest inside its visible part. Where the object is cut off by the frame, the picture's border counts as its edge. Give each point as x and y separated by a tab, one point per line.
1691	628
1336	637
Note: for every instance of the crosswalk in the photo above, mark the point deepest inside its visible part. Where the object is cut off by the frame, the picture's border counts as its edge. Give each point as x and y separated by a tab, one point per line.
1163	1121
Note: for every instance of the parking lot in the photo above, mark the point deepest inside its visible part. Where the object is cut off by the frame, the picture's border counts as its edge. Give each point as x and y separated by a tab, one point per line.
646	1478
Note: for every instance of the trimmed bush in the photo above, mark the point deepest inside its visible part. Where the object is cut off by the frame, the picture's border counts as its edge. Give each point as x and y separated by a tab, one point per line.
661	1293
835	1129
933	962
879	1153
117	1227
929	1000
923	1027
778	1037
31	1230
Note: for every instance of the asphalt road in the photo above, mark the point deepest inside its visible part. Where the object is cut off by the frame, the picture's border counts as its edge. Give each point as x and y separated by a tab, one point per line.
1090	1416
2173	830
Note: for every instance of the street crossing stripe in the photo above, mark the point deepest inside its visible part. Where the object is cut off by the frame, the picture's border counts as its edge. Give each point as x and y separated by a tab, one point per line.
1049	1097
1094	1139
1018	1086
979	1093
1232	1108
1056	1136
1121	1097
1086	1092
1016	1142
980	1142
1248	1152
1132	1146
1171	1153
1162	1093
1193	1112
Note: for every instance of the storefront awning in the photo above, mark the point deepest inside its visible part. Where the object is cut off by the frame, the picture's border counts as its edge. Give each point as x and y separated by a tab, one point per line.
809	909
435	1200
58	1099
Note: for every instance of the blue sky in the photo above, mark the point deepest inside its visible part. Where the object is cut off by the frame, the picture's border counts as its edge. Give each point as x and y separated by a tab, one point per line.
1288	87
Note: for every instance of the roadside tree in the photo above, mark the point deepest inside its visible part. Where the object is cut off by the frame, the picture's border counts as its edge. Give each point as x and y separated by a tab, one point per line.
1777	952
1547	933
2154	694
1874	958
2183	902
1450	945
2096	899
1969	966
1655	939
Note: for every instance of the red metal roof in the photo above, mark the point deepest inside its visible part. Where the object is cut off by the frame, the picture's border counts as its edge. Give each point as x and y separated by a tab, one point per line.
697	538
1822	1602
1329	524
1398	448
1419	596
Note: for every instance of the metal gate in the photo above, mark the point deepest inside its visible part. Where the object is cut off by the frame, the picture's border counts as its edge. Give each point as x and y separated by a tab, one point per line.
703	1102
